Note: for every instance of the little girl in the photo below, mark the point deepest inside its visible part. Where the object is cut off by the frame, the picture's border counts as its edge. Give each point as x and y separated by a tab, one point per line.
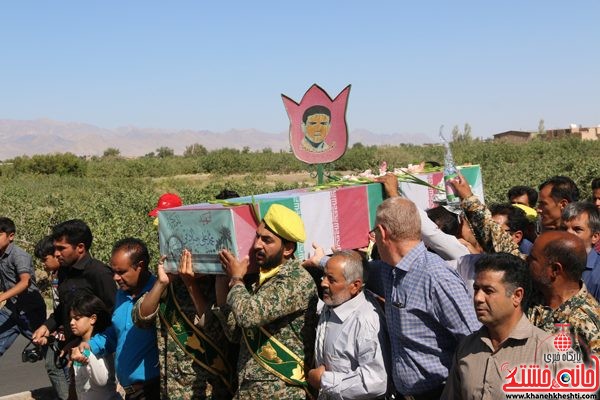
96	379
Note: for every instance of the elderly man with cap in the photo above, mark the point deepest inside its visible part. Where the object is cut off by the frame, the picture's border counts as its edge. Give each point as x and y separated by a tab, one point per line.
274	318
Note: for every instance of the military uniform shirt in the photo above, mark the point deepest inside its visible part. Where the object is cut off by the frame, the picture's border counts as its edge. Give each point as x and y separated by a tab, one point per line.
285	305
581	311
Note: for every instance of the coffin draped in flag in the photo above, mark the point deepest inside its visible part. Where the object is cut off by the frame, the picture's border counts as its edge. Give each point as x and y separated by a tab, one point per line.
336	216
340	217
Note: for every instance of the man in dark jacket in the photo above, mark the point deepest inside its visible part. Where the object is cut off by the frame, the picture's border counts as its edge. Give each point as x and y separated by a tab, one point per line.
79	273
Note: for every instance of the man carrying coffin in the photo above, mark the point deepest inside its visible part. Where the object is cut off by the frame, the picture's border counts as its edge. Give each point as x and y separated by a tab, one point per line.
274	319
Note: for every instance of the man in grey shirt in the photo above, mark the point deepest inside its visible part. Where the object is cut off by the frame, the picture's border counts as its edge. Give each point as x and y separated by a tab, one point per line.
25	309
351	339
485	360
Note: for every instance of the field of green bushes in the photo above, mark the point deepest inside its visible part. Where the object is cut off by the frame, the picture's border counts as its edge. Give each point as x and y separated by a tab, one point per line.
114	194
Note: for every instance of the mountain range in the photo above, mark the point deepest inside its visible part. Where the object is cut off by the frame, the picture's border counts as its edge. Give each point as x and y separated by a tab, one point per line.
45	136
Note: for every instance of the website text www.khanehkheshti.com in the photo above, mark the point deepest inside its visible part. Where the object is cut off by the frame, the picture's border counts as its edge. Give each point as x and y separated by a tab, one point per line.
553	396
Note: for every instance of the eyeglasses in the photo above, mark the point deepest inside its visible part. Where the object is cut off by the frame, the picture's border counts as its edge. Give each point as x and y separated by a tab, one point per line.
373	231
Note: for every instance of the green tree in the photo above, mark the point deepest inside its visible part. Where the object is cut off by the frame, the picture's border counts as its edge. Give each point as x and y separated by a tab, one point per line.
462	137
456	135
51	164
541	128
195	150
111	152
467	132
164	152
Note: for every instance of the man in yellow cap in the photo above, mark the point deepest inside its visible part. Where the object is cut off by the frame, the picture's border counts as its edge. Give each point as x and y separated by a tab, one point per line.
274	318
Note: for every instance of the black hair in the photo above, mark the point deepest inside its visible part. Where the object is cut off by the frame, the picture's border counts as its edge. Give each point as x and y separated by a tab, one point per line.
74	231
136	249
563	187
86	305
315	110
43	248
447	221
7	225
516	220
516	191
227	194
516	272
596	183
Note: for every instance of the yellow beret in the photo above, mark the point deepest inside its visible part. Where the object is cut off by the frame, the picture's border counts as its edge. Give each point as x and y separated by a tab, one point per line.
530	213
285	223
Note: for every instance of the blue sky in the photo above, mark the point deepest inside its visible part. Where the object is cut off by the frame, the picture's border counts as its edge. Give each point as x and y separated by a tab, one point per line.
222	65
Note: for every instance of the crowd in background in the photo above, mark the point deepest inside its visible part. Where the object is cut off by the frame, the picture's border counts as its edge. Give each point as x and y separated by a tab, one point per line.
438	306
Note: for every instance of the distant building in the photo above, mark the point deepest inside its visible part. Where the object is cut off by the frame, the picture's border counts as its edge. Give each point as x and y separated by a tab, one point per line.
513	136
576	131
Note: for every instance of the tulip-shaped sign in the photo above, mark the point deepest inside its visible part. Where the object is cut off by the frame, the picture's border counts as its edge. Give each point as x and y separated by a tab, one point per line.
318	130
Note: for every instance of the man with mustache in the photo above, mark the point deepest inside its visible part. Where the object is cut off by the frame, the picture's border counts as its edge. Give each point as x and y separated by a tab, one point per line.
274	318
135	349
351	338
556	263
507	338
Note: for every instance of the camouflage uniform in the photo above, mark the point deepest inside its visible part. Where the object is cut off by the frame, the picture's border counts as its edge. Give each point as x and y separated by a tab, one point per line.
488	233
181	377
581	311
285	305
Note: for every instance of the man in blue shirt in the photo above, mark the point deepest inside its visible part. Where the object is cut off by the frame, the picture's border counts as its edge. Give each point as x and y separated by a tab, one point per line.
136	351
427	307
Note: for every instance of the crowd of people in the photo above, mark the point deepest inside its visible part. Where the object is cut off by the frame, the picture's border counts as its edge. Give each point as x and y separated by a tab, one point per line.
447	303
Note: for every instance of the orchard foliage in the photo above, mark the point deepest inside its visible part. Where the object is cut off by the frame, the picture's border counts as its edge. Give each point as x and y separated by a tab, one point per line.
114	194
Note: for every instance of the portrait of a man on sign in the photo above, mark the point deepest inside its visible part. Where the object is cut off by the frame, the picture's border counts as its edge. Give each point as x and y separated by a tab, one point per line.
318	130
316	123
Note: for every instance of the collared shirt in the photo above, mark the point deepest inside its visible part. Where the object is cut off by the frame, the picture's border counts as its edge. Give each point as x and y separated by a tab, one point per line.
581	311
591	274
427	312
478	371
136	351
14	262
265	274
351	343
314	147
89	276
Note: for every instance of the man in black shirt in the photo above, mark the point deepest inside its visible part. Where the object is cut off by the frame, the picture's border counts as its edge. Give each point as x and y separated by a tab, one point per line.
79	273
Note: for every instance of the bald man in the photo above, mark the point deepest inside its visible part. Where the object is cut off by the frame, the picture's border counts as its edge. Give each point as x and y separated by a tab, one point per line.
556	262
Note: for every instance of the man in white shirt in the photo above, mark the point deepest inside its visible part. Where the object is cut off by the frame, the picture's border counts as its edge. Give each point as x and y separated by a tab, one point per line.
351	340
